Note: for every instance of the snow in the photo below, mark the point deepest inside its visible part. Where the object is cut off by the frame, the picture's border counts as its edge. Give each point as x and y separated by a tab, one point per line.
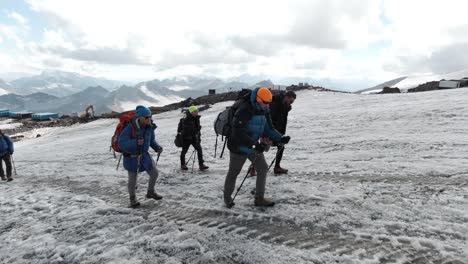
162	100
373	179
130	105
179	87
4	91
9	124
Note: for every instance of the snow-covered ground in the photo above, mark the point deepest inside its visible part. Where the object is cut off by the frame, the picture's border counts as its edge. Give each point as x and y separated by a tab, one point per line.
9	124
373	179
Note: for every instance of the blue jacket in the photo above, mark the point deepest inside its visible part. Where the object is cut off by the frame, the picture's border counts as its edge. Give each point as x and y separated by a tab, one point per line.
249	124
129	146
6	145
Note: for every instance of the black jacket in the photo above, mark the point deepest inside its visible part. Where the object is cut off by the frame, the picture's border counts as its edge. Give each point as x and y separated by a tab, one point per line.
190	129
279	113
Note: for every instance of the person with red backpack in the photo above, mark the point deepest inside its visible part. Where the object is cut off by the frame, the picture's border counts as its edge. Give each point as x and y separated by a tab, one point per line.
134	142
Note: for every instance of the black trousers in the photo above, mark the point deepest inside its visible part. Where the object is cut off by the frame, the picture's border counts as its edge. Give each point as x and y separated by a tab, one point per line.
7	159
198	148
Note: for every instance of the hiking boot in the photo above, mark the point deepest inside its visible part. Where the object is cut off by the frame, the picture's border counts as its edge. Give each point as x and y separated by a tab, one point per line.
260	201
228	201
153	195
203	167
279	170
3	178
252	171
9	178
183	167
134	203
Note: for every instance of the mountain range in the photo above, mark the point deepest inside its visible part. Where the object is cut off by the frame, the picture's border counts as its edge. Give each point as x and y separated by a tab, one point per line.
105	99
59	83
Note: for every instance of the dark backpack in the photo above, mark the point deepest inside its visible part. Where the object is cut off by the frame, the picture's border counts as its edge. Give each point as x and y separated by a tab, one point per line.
178	141
223	122
124	121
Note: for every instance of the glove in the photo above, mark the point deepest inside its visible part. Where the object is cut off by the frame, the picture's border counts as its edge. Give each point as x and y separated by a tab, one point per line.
11	152
285	139
159	150
260	147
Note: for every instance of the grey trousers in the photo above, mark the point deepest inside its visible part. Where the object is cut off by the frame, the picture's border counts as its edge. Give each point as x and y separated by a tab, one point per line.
236	162
132	180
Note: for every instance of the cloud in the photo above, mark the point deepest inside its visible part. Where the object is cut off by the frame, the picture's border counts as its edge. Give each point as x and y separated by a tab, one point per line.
284	37
21	20
8	32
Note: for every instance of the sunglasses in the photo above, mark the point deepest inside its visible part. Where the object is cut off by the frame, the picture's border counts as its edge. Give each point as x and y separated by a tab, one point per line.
147	117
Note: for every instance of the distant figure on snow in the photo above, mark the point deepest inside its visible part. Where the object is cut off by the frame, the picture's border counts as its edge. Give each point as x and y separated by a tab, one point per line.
190	129
6	150
135	141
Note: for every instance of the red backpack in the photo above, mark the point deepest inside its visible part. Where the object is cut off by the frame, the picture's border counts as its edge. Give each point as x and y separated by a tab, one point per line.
124	120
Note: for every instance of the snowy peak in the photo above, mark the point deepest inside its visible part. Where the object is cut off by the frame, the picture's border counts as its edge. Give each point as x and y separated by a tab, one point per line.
60	83
4	87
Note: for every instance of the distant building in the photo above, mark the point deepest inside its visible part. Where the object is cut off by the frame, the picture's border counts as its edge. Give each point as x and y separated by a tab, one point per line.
449	84
211	91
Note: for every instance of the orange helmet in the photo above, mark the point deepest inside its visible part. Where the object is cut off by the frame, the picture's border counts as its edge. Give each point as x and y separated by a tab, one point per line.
264	95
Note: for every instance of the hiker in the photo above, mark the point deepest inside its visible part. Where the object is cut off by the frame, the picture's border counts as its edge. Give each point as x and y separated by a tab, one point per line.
6	150
279	109
249	125
135	141
190	131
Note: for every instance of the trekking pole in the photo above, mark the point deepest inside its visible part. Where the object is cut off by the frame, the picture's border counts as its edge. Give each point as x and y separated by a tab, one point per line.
13	162
159	155
191	155
216	146
276	156
224	146
193	162
271	164
118	162
240	186
139	156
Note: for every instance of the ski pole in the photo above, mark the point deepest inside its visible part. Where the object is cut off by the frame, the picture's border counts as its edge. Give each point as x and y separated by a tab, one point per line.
240	186
14	167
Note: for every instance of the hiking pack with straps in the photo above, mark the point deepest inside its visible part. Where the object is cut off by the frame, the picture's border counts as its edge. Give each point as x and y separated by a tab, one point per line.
223	122
124	120
178	141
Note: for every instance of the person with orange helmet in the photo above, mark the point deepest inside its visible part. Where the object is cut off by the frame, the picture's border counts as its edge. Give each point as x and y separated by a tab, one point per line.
251	134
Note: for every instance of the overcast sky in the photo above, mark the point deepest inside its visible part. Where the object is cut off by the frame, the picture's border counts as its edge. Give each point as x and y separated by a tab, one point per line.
138	39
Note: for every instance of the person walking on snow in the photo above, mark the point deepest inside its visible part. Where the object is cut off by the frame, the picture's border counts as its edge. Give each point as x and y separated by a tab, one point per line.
249	125
6	150
279	109
135	141
190	129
